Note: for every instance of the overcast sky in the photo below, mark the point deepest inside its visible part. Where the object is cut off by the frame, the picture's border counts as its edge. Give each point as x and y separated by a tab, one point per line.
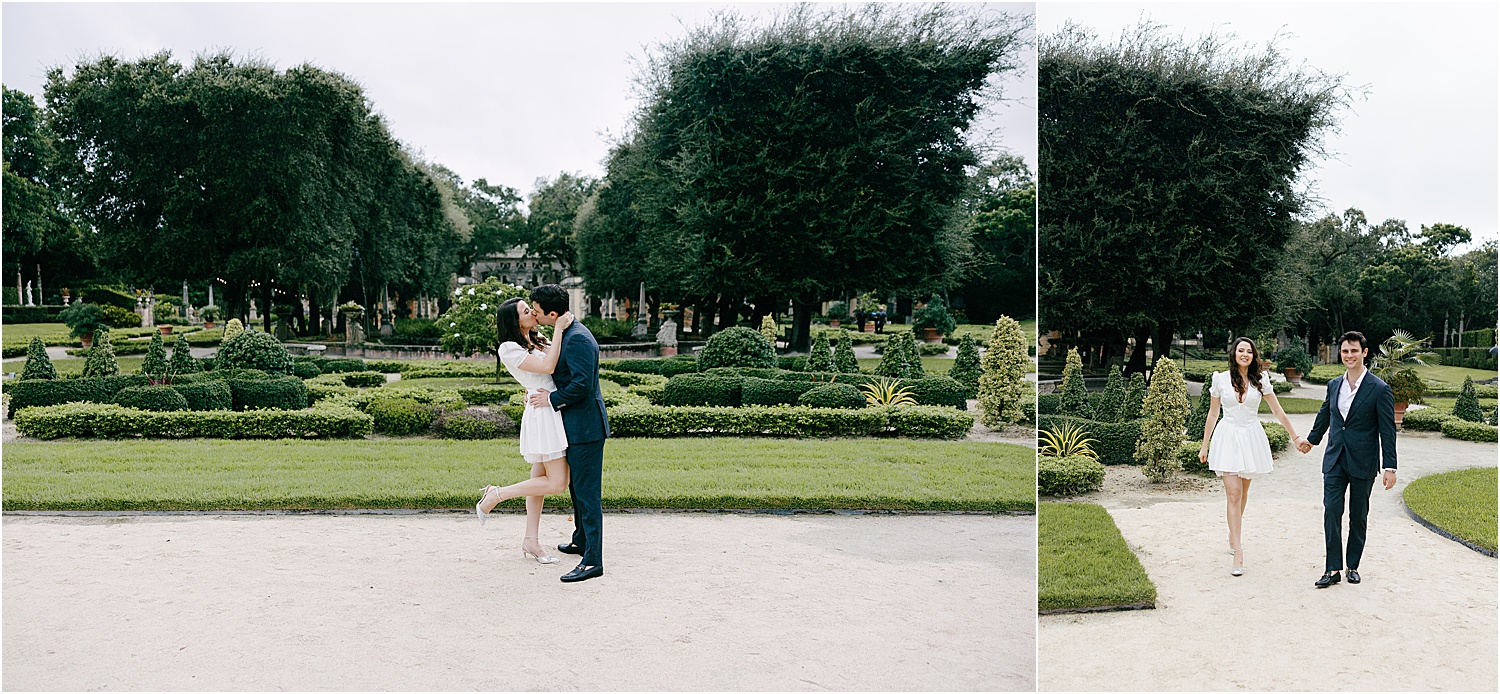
507	92
1423	146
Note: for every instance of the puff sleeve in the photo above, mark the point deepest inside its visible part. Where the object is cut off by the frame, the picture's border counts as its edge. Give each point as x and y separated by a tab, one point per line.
1216	389
512	354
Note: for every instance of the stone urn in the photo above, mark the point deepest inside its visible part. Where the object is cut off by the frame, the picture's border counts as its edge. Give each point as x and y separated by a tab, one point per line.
87	339
833	323
1401	411
165	328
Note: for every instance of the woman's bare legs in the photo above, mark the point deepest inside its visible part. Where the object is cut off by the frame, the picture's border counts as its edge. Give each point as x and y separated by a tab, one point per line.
529	541
1235	488
553	480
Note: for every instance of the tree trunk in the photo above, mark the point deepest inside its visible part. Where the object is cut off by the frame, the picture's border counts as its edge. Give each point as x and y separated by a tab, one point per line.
729	311
1162	344
1137	363
802	323
267	310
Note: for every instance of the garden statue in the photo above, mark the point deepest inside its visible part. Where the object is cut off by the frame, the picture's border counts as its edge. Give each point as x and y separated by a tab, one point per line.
643	320
667	336
28	293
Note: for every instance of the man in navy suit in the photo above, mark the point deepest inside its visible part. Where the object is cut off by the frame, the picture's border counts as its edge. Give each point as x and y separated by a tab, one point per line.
582	406
1359	415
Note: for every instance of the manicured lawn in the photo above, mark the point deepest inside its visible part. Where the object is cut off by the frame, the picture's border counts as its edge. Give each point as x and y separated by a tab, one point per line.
1452	374
1289	405
433	473
445	383
1446	404
1083	561
1461	502
128	365
933	365
26	331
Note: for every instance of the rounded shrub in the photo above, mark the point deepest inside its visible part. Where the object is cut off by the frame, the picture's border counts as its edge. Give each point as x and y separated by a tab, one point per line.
1071	475
473	424
254	350
833	395
689	390
764	391
305	370
937	390
401	416
737	347
364	379
153	398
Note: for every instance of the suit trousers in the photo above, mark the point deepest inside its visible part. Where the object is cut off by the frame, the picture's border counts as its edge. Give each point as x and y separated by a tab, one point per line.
1337	485
585	470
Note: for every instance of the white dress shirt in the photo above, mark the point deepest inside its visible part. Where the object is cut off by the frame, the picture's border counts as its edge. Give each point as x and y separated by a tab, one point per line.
1347	391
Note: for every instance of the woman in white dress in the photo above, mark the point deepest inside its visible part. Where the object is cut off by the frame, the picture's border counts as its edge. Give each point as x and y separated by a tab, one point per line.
1237	448
530	359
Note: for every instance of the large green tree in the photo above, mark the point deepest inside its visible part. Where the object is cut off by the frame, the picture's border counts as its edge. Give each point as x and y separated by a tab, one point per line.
1000	276
37	231
817	155
551	212
1168	174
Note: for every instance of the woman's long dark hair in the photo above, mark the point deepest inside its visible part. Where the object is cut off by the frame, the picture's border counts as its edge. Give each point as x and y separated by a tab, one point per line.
508	317
1252	371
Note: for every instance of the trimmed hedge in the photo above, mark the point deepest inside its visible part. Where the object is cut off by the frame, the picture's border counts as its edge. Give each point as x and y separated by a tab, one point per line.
363	379
689	390
1047	403
45	392
833	395
254	350
334	365
153	398
473	424
113	421
1275	435
742	372
918	421
653	393
285	393
401	416
1455	428
1425	419
1114	443
1187	457
766	391
1070	475
937	390
668	367
737	347
1467	357
630	378
209	395
489	394
305	370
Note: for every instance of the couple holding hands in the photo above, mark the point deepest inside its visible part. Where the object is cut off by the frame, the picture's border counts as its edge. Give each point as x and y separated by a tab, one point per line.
1358	416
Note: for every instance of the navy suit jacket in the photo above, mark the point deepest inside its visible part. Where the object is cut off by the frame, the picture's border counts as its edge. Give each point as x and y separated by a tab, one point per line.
1368	435
577	379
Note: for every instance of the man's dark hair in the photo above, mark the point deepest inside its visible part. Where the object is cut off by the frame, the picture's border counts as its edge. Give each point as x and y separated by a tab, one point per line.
1354	336
550	298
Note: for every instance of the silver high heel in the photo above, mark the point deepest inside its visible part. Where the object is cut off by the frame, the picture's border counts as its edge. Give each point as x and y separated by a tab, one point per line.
1238	570
483	494
539	559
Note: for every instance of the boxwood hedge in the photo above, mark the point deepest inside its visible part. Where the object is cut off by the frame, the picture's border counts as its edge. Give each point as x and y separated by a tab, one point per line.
473	424
1070	475
44	392
285	393
154	398
755	420
1425	419
1114	443
1455	428
689	390
113	421
767	391
208	395
833	395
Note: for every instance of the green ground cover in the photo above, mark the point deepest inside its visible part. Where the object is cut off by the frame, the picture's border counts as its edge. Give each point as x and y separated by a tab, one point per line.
1288	404
1452	374
435	473
26	331
1461	502
1083	561
443	383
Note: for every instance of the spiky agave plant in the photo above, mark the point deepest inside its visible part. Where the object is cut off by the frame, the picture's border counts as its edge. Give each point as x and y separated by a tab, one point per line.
887	392
1065	441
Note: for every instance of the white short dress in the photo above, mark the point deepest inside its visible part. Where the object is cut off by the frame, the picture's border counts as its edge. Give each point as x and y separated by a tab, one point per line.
542	435
1239	444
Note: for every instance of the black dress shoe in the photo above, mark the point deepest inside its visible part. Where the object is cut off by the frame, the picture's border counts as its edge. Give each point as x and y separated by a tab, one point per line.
1353	576
582	573
570	548
1328	579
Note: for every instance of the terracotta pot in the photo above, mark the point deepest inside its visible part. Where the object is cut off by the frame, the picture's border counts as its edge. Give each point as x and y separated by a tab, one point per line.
833	324
1401	411
165	329
208	325
1293	376
870	327
931	335
88	339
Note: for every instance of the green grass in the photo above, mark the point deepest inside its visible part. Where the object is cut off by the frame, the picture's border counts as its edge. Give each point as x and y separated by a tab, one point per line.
1451	374
1083	561
933	365
1446	404
26	331
432	473
1461	502
445	383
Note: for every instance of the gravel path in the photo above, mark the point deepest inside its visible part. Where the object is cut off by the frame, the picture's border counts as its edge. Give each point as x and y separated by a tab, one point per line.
1425	617
434	602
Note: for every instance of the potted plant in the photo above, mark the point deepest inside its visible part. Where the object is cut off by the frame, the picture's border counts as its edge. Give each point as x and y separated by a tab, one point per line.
84	320
838	312
210	314
1406	388
933	320
1293	360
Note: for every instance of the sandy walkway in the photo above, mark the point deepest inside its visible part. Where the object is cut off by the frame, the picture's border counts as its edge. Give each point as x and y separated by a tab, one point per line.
1425	617
691	601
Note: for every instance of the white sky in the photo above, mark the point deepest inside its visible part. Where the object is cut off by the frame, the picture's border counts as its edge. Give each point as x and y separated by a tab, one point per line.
1423	146
509	92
